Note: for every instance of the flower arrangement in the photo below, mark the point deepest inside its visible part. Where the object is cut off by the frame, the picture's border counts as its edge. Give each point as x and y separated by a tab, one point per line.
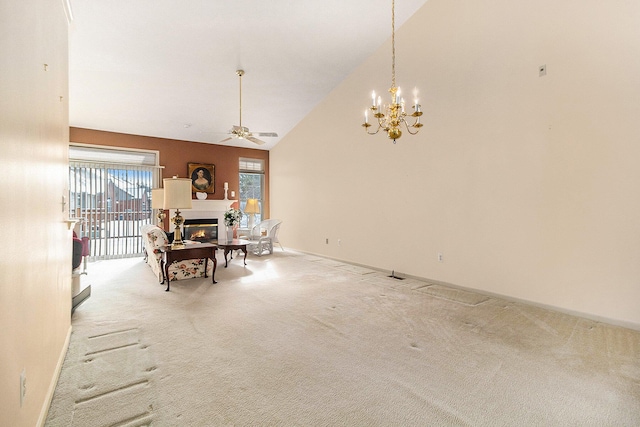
232	217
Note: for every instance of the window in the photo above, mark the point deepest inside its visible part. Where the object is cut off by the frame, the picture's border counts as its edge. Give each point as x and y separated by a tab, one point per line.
251	186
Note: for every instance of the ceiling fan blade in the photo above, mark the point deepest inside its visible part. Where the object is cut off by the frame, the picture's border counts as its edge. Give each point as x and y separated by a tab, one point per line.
255	140
268	134
225	140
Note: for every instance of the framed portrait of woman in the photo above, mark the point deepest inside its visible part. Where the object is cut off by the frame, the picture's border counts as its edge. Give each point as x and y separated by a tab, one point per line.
202	178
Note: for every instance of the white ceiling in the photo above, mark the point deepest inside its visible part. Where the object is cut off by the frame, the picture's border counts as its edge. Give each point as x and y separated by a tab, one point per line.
168	69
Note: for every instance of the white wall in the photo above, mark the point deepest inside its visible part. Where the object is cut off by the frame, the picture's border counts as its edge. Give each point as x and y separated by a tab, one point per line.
527	185
35	259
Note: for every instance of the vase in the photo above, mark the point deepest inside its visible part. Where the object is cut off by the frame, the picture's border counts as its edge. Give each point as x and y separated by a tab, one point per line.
229	233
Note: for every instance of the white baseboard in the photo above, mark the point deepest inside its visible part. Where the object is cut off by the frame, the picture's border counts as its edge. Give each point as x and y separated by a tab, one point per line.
54	380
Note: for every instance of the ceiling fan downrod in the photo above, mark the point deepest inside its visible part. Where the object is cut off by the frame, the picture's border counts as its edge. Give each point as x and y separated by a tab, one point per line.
240	73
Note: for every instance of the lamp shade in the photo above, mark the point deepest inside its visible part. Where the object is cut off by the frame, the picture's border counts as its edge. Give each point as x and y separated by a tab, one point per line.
252	206
157	198
177	193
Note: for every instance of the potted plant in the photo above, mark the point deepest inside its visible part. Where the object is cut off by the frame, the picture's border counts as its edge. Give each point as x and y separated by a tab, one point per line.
232	220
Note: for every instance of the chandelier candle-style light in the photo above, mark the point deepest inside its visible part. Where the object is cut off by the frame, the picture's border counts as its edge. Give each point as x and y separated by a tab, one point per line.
392	116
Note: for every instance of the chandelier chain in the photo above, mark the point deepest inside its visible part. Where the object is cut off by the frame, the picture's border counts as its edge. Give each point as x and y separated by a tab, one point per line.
393	44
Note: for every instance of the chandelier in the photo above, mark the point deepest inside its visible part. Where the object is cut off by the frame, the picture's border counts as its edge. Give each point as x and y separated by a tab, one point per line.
391	117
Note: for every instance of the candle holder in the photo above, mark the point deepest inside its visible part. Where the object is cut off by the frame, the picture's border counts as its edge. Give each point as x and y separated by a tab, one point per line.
225	193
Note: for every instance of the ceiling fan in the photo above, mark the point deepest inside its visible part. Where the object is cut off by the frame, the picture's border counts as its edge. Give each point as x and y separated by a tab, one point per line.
241	132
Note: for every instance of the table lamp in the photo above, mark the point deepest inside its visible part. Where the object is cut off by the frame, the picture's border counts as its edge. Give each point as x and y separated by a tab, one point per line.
177	195
251	208
157	202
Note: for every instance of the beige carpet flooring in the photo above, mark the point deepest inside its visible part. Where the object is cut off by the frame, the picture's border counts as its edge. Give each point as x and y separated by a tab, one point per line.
298	340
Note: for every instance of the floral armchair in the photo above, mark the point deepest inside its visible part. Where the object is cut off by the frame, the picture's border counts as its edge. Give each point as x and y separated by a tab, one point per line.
154	239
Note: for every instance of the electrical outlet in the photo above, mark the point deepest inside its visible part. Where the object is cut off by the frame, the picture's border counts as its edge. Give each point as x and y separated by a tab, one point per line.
23	386
440	258
339	242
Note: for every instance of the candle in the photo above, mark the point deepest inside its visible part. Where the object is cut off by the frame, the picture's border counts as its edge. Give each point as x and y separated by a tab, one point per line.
366	116
226	185
233	194
373	98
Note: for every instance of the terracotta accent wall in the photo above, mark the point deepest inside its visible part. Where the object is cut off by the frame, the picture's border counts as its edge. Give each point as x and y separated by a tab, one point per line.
176	154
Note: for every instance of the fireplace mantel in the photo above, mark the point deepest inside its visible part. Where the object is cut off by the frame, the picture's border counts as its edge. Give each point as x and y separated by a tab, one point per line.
208	205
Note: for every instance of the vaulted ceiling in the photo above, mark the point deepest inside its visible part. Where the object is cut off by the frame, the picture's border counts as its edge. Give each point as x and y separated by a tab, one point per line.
168	69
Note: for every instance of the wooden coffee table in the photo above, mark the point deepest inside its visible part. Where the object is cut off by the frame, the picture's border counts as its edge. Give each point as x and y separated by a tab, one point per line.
190	251
232	245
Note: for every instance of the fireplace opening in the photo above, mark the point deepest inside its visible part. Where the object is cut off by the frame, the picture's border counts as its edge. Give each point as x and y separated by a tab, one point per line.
201	230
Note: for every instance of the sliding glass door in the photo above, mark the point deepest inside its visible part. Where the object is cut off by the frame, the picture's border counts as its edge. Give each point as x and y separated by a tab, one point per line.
113	201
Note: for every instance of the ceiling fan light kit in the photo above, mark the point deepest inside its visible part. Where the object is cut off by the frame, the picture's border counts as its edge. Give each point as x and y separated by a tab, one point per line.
391	116
241	132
